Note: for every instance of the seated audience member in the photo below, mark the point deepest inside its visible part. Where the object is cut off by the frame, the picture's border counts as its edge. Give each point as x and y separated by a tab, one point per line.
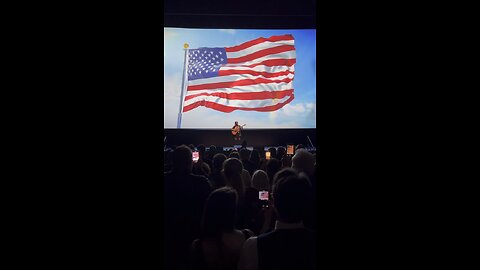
192	147
232	170
303	161
247	164
273	166
184	197
217	179
255	217
290	245
220	243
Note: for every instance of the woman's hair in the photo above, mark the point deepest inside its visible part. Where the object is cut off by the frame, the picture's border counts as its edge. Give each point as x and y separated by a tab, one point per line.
232	169
285	172
260	180
219	212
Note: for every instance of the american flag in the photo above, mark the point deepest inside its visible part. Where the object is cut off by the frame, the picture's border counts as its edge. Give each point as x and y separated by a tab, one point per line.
254	76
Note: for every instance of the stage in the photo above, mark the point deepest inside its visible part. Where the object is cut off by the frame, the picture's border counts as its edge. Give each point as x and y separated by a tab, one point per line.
253	137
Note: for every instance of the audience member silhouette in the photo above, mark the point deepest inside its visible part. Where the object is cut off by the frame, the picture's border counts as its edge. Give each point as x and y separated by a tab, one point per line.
281	152
244	174
273	152
220	243
234	154
286	172
286	161
255	158
299	146
184	198
217	178
273	166
303	161
232	170
247	164
254	207
290	245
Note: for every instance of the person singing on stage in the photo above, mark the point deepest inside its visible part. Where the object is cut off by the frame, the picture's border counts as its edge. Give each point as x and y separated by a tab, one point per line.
237	131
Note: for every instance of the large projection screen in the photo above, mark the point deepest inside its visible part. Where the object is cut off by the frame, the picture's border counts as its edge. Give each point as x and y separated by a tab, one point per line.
262	78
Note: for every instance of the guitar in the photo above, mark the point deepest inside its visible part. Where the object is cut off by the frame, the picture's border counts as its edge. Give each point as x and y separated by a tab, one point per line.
236	129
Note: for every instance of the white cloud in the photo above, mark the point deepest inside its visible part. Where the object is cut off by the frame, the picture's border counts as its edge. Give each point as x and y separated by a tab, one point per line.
292	110
229	31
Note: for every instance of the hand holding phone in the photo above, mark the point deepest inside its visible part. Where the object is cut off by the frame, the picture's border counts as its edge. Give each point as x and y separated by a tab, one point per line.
263	196
290	149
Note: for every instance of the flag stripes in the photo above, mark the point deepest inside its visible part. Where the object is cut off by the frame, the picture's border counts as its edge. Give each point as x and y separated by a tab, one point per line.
255	76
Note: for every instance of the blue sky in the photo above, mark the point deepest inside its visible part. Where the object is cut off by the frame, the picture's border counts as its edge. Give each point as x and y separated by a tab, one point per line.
300	113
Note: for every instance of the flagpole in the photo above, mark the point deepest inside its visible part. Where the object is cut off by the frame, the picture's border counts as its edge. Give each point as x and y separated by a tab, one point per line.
179	121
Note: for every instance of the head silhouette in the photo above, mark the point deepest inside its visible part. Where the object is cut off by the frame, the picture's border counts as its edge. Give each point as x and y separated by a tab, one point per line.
182	160
219	212
291	196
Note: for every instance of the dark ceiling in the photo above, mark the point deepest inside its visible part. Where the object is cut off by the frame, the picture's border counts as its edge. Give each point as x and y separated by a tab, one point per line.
240	14
239	7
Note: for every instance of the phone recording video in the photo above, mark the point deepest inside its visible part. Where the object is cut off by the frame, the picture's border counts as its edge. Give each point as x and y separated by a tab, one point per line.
195	156
290	149
263	197
267	155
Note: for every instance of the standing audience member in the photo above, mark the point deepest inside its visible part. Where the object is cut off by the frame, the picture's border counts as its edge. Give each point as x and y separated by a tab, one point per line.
290	245
184	198
299	146
303	161
220	243
286	161
273	166
232	170
247	164
281	153
217	178
255	214
246	176
255	158
284	173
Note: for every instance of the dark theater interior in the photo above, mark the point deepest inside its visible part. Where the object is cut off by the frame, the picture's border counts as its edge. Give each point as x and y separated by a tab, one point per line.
241	197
